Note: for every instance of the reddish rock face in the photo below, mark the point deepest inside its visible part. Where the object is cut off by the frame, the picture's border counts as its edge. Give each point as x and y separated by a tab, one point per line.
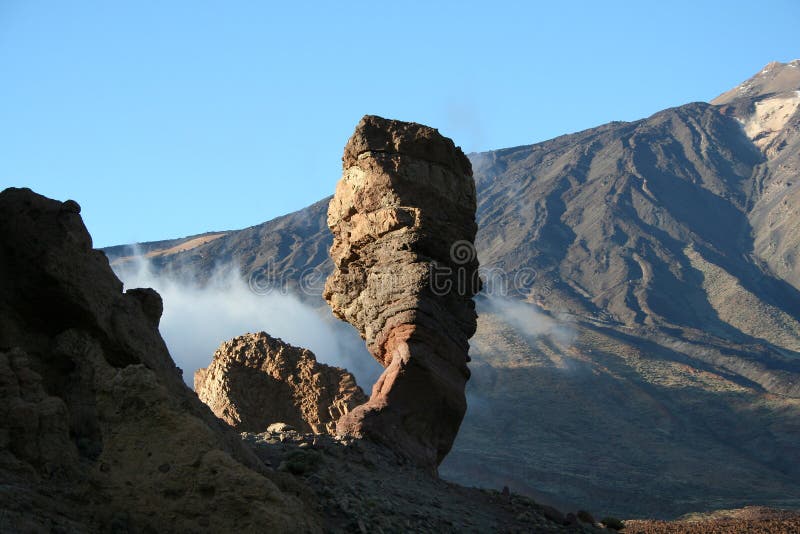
256	380
403	221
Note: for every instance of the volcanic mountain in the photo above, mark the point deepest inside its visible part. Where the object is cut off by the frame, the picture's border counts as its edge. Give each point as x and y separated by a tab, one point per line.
638	343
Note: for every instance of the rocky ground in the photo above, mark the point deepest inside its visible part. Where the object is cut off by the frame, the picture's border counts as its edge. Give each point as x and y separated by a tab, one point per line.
358	486
750	520
363	487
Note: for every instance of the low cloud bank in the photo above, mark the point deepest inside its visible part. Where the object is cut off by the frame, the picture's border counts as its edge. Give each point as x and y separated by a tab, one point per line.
198	318
528	320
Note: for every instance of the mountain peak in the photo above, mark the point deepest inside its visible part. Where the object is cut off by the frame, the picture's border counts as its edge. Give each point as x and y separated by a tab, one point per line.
774	78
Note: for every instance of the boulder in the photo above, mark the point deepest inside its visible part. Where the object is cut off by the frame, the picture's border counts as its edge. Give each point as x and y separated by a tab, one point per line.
256	380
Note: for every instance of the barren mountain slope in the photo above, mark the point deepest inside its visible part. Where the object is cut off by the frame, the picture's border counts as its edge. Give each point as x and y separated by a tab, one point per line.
633	423
684	347
281	251
768	107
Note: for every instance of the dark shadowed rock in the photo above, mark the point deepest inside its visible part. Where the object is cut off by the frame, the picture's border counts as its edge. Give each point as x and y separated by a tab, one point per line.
403	221
150	301
256	380
98	433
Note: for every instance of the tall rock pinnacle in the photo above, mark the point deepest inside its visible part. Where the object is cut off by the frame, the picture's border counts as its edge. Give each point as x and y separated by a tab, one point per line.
403	221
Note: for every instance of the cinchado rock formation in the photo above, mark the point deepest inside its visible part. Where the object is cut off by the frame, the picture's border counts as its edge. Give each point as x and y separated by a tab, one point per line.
405	273
255	380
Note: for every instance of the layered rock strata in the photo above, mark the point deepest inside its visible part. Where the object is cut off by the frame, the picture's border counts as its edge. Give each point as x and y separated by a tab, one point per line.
255	380
405	272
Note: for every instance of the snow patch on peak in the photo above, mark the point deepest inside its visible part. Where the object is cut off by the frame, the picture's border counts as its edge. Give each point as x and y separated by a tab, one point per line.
769	118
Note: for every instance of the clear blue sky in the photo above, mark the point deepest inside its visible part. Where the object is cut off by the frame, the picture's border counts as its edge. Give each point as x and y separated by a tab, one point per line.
165	119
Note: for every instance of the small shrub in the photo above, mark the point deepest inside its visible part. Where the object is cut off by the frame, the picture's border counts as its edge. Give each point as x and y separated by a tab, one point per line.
300	462
585	517
552	514
612	523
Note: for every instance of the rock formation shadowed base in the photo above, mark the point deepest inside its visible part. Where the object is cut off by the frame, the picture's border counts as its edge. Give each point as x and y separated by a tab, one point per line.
403	221
364	487
256	380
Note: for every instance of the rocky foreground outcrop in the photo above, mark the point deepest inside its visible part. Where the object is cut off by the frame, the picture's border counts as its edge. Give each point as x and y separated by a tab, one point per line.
98	433
255	380
405	272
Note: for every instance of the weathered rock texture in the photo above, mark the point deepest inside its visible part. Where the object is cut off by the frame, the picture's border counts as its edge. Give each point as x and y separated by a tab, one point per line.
256	380
98	433
403	221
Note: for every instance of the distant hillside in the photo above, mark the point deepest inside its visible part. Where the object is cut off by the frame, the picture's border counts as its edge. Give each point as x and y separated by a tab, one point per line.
645	354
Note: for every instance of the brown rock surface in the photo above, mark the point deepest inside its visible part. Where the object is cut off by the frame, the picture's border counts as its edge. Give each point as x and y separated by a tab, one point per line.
256	380
403	221
98	433
748	520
